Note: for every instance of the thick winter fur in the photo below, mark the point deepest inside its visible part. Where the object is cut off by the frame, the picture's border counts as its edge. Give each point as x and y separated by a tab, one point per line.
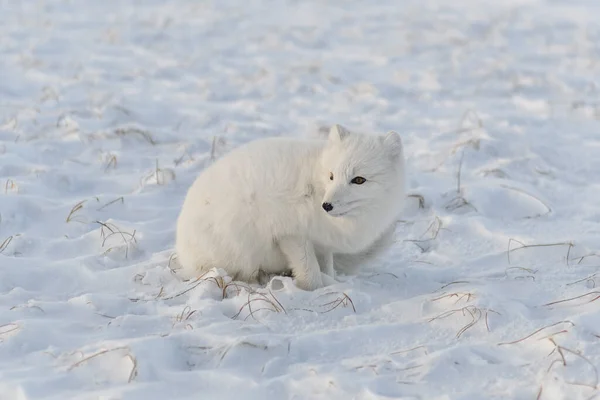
260	207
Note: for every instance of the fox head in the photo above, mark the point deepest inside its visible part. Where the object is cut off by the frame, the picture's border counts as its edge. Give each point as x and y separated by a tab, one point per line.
362	174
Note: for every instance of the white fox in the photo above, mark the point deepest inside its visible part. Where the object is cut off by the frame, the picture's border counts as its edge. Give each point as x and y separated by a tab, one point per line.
281	205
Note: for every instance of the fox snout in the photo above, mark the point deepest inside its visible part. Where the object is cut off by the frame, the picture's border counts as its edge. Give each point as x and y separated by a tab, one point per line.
327	206
334	201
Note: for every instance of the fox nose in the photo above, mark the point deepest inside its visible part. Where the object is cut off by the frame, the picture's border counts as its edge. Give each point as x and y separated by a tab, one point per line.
327	207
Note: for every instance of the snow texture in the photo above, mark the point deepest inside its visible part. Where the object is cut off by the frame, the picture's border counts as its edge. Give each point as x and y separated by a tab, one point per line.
110	109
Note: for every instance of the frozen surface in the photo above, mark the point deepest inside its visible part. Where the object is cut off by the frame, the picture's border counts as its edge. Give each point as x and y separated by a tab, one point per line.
109	109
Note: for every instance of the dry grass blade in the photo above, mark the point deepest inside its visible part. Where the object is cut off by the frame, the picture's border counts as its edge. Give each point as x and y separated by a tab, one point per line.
474	312
451	283
101	352
411	349
195	284
115	230
460	202
527	246
74	210
536	331
420	198
548	209
218	281
103	226
217	142
5	243
561	350
590	278
382	273
135	131
161	176
156	172
30	306
554	362
172	257
213	149
473	117
531	271
134	368
475	315
272	306
458	173
252	312
552	335
182	157
487	323
586	256
459	296
473	142
112	162
242	343
121	199
528	270
444	315
434	227
342	300
105	316
11	327
597	293
277	301
10	185
123	234
185	314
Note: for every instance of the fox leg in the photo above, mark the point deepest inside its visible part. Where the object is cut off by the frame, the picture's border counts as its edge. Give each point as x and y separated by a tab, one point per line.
303	262
325	259
327	271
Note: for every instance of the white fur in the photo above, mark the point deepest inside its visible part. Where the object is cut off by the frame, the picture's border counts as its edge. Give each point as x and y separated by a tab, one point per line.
259	208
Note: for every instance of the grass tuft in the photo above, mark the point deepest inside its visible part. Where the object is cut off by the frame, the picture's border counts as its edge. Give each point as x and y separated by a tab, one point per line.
76	208
475	313
107	230
271	304
561	350
434	228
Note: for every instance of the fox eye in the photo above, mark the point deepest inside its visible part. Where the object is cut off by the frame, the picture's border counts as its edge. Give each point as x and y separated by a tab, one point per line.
359	180
331	176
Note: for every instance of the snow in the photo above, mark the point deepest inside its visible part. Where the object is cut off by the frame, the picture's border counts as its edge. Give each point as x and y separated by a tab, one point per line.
109	110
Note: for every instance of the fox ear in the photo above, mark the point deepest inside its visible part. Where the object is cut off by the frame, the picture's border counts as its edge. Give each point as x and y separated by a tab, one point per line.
337	133
393	143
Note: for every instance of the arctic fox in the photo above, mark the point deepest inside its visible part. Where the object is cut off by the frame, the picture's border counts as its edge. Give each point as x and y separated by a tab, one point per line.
281	205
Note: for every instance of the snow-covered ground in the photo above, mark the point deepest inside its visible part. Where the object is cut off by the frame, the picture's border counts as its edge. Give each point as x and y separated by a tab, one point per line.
109	109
